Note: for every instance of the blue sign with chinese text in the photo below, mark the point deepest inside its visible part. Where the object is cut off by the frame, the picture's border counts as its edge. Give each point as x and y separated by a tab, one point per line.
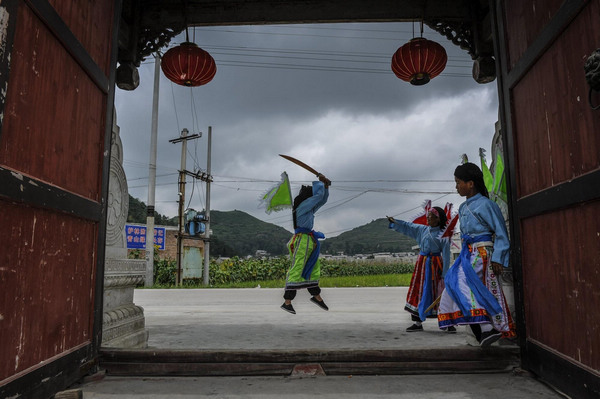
136	237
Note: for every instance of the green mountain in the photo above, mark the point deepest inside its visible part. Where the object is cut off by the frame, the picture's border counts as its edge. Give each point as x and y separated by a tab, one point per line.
369	238
236	233
138	213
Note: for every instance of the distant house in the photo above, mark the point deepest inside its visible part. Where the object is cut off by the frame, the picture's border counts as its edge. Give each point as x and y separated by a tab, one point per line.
260	253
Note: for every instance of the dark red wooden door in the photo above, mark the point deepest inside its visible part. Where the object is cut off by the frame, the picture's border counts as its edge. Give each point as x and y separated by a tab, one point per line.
554	155
57	71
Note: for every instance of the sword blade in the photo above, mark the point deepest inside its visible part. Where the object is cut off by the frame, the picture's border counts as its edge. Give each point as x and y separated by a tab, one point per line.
300	163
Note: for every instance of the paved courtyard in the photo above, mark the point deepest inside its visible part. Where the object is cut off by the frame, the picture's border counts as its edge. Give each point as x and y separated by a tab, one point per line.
360	318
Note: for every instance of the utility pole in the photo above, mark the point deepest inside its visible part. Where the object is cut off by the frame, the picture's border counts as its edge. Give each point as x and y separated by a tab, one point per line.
149	280
182	172
181	186
205	277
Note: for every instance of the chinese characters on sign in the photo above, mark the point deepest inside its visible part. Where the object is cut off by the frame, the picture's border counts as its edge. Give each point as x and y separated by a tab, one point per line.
136	237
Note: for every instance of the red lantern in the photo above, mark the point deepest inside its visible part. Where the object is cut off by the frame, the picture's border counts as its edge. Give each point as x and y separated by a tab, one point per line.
188	65
419	61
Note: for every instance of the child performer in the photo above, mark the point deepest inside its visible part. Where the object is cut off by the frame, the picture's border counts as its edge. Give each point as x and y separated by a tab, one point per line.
473	293
427	282
305	269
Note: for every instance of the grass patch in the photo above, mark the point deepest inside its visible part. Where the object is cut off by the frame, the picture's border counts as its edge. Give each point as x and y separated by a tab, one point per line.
379	280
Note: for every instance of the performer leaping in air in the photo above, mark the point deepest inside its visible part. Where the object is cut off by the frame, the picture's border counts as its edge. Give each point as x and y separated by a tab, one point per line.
305	268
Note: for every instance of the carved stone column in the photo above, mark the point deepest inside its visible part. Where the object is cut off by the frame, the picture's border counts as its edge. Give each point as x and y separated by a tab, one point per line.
124	323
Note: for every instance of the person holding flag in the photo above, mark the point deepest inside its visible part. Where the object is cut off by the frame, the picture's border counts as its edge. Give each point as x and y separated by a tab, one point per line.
304	246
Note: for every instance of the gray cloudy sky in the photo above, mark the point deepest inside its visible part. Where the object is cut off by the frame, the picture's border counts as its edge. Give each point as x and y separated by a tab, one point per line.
324	94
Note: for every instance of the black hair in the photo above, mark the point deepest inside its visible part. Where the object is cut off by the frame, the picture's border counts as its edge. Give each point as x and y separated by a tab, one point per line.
443	217
305	192
471	172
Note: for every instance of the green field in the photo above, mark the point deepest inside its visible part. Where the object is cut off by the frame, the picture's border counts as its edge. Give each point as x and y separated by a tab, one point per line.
381	280
270	273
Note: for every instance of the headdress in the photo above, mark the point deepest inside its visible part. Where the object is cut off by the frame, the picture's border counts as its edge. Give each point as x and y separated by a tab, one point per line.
421	218
448	231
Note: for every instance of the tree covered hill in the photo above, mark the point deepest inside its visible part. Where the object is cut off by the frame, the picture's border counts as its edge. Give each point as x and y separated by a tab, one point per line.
138	213
236	233
369	238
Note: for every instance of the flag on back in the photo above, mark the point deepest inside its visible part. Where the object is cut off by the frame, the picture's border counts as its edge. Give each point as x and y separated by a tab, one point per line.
278	197
488	179
421	218
494	180
499	181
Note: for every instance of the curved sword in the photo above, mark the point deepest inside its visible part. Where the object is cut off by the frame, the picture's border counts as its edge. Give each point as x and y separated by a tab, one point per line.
303	165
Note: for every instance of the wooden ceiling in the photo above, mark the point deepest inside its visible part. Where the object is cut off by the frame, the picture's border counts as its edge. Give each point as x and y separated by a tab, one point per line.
148	25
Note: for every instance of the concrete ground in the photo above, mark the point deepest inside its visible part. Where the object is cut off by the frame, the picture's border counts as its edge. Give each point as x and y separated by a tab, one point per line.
250	319
365	318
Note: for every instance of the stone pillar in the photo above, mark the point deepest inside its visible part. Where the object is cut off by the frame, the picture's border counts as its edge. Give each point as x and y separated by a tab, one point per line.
124	323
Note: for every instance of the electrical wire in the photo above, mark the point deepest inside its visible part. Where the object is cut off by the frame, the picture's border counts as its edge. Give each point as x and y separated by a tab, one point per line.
250	32
315	55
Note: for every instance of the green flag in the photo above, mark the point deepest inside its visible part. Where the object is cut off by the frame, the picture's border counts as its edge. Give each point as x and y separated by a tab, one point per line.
278	197
499	180
488	179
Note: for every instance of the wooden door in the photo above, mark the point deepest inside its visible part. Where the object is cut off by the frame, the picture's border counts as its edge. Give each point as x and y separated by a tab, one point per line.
554	174
57	68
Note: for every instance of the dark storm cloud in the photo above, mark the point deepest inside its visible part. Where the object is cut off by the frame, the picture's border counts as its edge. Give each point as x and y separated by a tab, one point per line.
368	131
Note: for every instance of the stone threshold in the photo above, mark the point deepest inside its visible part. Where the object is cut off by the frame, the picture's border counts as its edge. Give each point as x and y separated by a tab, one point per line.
168	362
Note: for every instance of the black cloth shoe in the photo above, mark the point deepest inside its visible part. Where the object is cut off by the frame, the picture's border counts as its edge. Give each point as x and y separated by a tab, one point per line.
320	304
414	328
288	308
489	337
451	330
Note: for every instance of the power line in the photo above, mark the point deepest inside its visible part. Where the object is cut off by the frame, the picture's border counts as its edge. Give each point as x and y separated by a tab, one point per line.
312	27
323	210
250	32
466	61
146	177
248	64
393	215
316	55
337	186
321	27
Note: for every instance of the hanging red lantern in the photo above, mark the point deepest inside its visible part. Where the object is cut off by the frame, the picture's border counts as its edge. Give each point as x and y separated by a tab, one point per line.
419	61
188	65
